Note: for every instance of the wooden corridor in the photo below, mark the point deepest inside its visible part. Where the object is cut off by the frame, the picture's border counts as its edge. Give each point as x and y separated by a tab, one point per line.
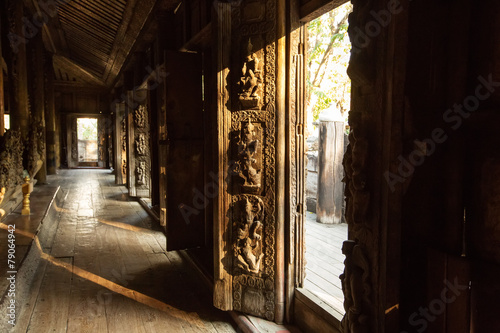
108	270
325	261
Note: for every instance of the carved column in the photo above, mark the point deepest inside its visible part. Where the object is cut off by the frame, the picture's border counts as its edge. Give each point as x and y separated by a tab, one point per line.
138	155
19	112
121	144
251	123
141	150
50	115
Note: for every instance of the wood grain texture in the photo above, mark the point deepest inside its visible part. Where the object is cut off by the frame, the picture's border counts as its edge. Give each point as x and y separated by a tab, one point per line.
116	277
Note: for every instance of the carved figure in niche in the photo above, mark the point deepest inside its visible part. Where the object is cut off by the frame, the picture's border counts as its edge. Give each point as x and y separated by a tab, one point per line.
249	252
140	144
356	288
249	163
141	173
140	116
124	143
124	167
251	80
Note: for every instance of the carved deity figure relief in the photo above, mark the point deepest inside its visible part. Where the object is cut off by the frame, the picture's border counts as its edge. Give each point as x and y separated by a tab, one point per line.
356	288
250	158
251	80
124	125
140	144
124	167
141	173
140	116
124	143
249	252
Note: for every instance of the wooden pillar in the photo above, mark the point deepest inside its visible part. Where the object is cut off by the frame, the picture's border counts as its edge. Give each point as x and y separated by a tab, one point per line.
39	102
19	112
166	41
120	144
281	85
330	187
129	129
50	116
139	122
223	289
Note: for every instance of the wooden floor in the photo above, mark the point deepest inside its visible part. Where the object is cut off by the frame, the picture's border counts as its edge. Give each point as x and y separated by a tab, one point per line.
108	270
325	261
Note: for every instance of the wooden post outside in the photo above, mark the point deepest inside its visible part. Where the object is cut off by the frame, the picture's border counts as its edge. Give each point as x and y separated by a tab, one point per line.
330	170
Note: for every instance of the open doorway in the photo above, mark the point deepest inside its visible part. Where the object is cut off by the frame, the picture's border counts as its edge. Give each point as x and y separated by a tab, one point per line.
327	104
87	142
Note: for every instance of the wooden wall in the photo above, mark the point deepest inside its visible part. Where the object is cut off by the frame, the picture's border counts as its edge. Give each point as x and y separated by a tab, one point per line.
86	103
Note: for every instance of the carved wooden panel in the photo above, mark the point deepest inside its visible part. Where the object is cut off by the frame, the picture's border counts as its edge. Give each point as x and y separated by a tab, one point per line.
121	144
141	151
250	138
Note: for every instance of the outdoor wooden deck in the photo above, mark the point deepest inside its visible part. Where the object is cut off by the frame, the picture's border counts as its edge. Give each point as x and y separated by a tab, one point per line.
325	261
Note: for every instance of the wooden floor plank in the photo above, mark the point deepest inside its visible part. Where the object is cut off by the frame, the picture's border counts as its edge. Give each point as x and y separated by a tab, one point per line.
121	280
324	260
52	306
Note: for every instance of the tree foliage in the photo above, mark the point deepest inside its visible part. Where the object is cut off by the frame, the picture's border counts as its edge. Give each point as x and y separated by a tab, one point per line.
87	129
328	57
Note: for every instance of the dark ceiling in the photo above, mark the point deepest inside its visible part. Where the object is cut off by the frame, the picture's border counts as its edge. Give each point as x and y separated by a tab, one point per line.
92	39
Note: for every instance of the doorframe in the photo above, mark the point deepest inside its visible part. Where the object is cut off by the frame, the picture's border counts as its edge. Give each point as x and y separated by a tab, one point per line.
71	120
298	18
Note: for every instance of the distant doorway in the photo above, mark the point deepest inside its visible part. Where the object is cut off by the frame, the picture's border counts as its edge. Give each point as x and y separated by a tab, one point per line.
87	142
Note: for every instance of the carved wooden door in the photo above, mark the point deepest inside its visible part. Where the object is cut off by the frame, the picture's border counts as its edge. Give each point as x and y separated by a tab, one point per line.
182	201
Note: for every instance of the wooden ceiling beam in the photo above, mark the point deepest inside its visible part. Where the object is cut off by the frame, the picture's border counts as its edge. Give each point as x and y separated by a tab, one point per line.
77	71
139	22
54	38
